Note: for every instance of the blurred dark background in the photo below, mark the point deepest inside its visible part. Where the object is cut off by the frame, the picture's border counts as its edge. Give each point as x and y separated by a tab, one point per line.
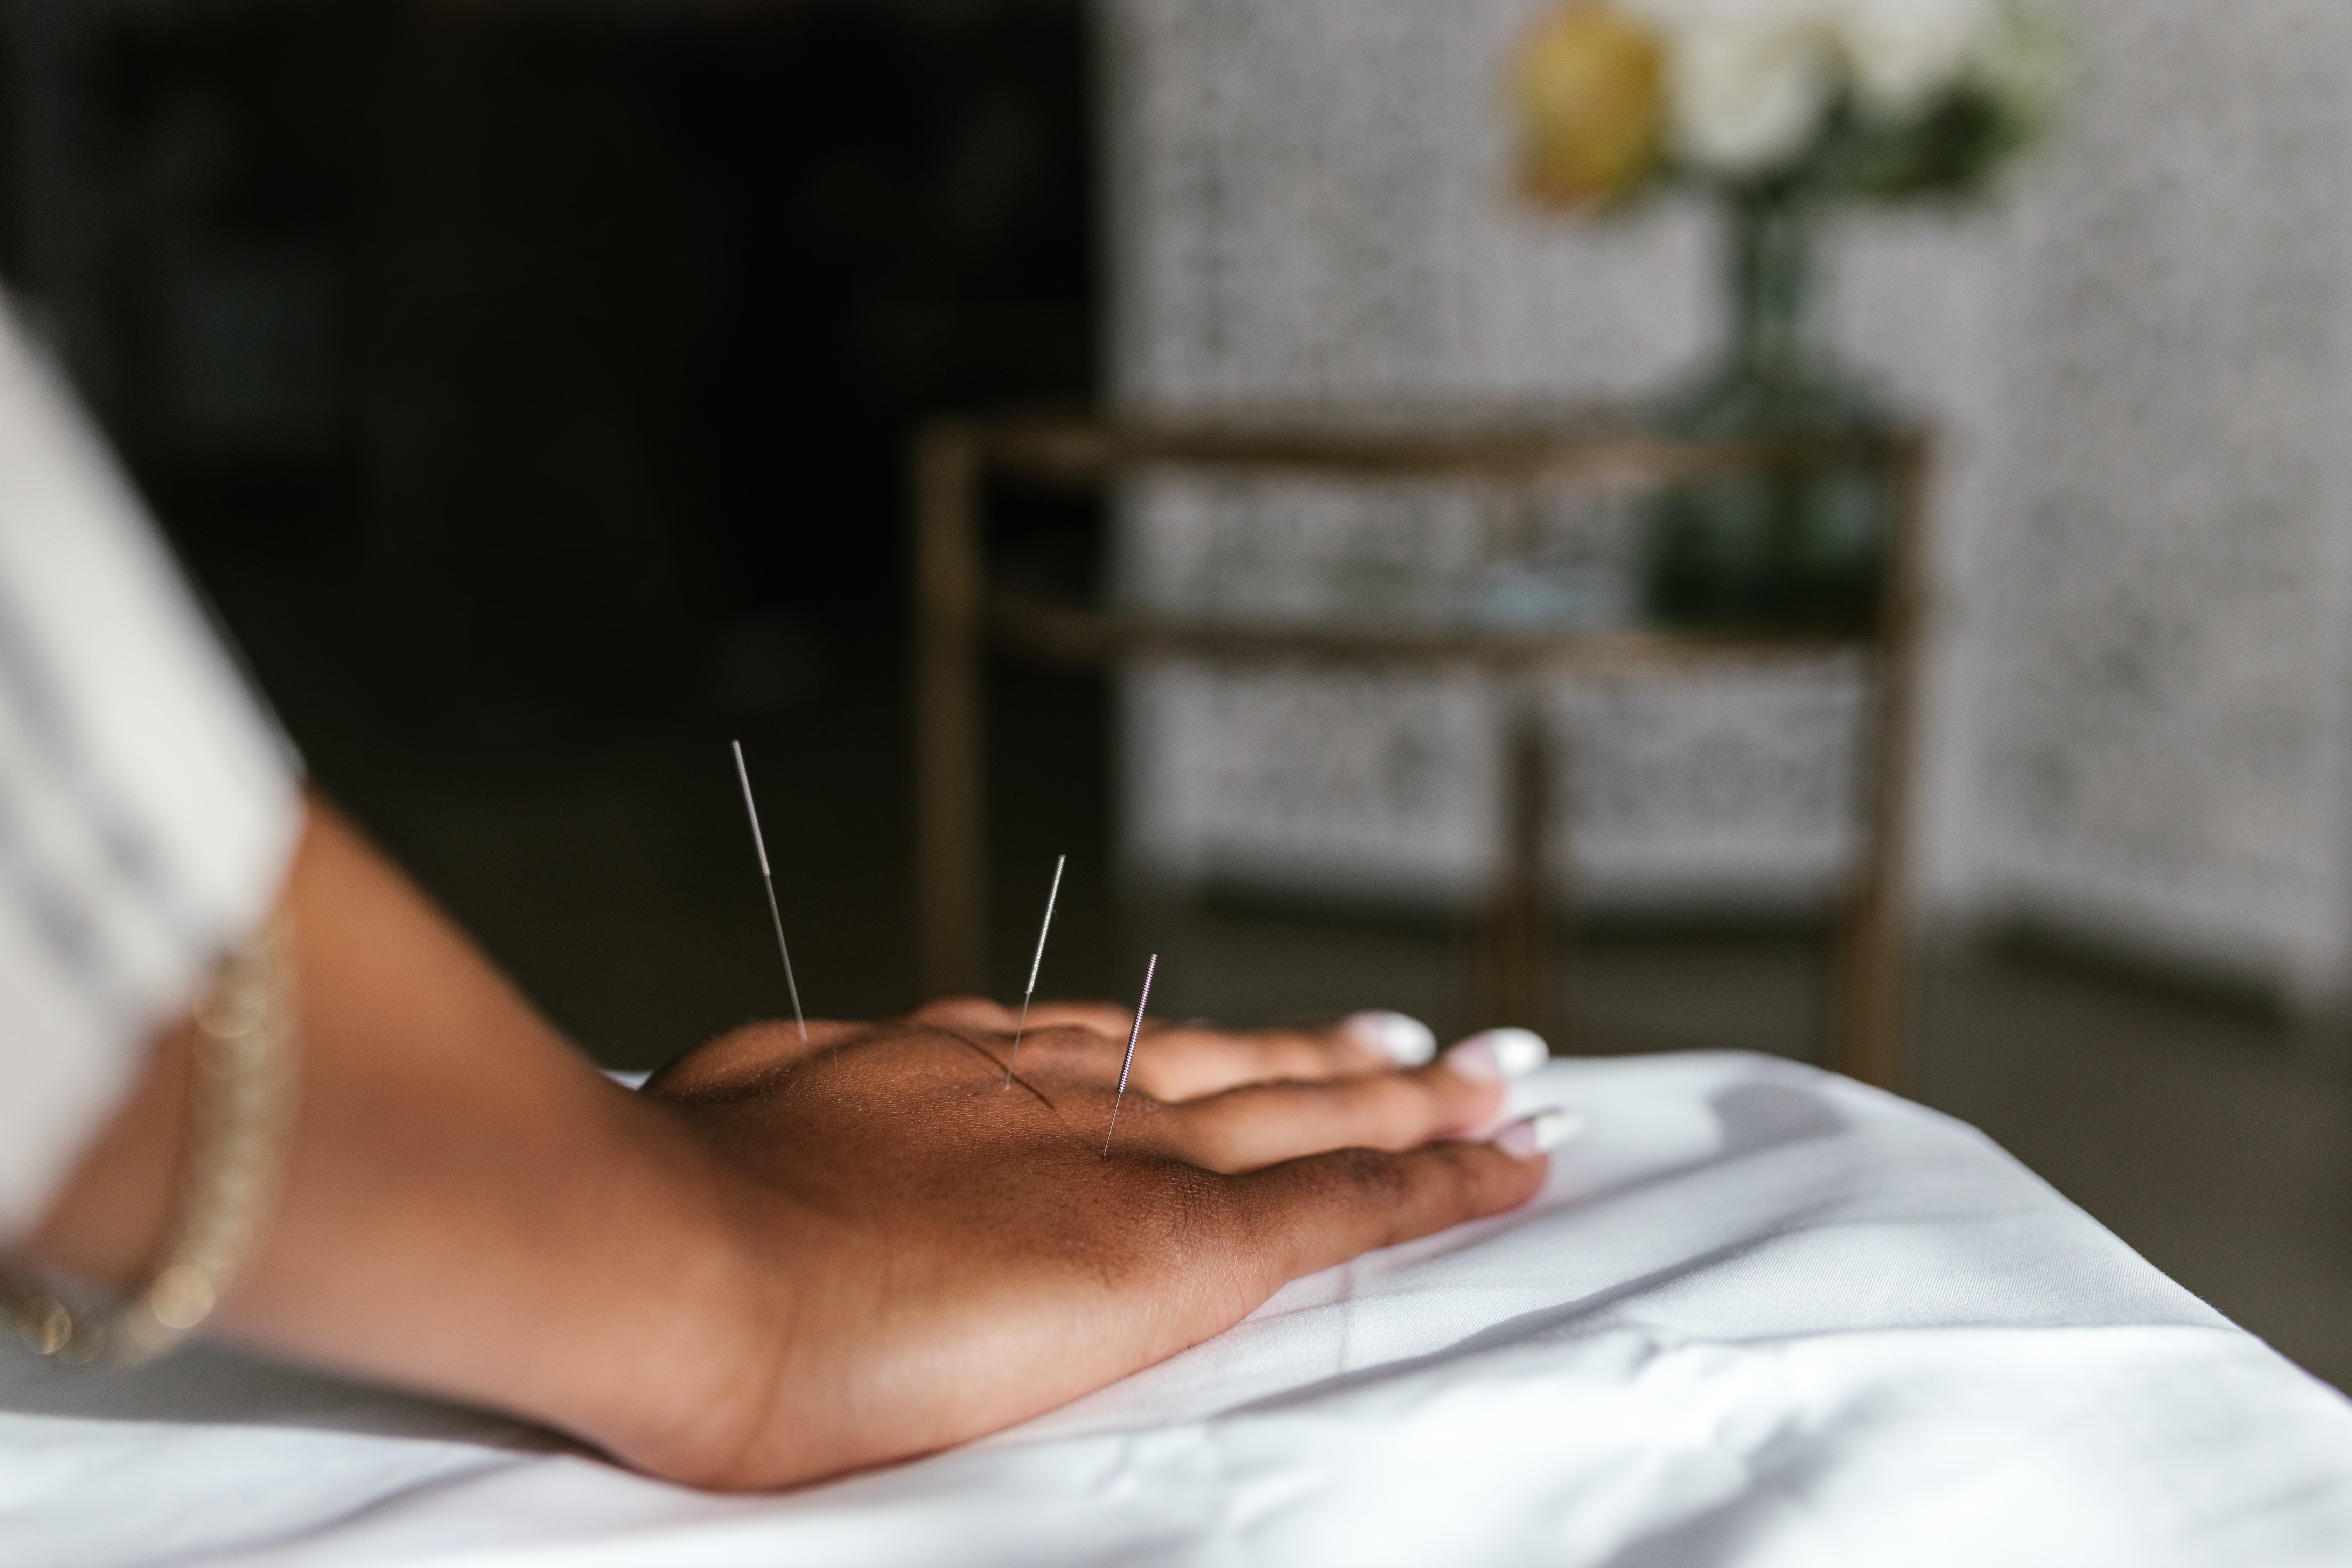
529	383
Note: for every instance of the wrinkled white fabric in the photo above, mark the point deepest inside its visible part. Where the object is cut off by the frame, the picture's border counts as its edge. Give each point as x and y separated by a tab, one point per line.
1759	1316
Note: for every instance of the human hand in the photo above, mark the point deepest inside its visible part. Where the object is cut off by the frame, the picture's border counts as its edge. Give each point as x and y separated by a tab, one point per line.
938	1255
782	1261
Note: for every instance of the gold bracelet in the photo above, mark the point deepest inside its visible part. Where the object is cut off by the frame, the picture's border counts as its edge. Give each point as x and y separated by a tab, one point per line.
241	1122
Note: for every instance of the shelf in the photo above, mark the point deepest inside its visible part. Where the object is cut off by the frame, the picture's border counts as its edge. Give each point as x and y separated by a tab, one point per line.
1079	450
1077	635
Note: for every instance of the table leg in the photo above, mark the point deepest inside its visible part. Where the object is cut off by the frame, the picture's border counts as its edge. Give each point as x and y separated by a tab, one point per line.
1868	1043
949	803
1516	961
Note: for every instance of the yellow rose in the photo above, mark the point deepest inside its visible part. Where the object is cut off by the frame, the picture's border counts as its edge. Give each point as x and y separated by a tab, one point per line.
1587	89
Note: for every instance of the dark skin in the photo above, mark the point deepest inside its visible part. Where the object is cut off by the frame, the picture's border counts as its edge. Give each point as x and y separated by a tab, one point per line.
782	1261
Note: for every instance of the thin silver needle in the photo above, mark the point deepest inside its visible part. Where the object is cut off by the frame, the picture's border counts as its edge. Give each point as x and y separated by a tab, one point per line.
1133	1035
1051	894
767	877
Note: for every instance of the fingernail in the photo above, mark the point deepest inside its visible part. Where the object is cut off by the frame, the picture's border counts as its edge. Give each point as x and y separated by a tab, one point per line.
1405	1040
1499	1053
1546	1129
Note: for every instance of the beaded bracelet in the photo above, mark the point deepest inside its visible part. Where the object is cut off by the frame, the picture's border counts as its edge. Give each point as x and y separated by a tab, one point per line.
242	1120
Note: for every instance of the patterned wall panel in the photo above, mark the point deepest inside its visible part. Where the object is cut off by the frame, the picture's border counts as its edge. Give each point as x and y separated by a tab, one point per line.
2137	709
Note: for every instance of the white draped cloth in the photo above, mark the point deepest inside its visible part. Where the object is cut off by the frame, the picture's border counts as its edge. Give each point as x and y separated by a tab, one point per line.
1760	1315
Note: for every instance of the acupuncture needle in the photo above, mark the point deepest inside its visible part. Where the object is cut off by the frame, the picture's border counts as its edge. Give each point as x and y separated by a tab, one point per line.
1133	1035
768	877
1051	893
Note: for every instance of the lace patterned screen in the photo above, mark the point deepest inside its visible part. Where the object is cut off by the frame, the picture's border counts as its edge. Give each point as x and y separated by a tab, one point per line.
2136	715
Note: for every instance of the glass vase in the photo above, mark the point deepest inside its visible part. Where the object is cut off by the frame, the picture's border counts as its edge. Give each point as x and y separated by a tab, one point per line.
1798	549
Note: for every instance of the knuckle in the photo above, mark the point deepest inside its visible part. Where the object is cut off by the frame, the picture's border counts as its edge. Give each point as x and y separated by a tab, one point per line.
1186	1045
1459	1165
722	1065
1101	1017
1369	1178
1062	1043
1341	1048
1175	1216
1391	1108
1192	1200
1310	1055
1466	1174
1210	1142
954	1009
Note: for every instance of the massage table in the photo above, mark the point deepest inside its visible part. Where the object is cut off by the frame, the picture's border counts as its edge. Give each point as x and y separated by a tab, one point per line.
1760	1315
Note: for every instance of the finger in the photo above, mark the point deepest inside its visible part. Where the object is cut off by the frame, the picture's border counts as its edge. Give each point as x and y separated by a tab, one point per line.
1310	1214
1112	1019
1363	1041
1186	1062
1182	1061
1262	1124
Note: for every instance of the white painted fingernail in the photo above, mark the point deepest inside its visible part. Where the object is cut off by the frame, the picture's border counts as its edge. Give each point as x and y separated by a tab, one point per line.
1405	1040
1546	1129
1499	1053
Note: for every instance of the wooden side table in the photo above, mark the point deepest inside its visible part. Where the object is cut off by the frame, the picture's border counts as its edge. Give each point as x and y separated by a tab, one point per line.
958	614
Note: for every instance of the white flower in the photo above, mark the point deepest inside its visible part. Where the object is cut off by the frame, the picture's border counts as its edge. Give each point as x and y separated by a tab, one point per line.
1750	79
1905	53
1746	98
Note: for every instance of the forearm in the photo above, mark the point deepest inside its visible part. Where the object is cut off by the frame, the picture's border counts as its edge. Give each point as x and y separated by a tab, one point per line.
468	1208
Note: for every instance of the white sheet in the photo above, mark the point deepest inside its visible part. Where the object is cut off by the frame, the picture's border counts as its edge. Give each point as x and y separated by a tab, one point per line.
1761	1316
